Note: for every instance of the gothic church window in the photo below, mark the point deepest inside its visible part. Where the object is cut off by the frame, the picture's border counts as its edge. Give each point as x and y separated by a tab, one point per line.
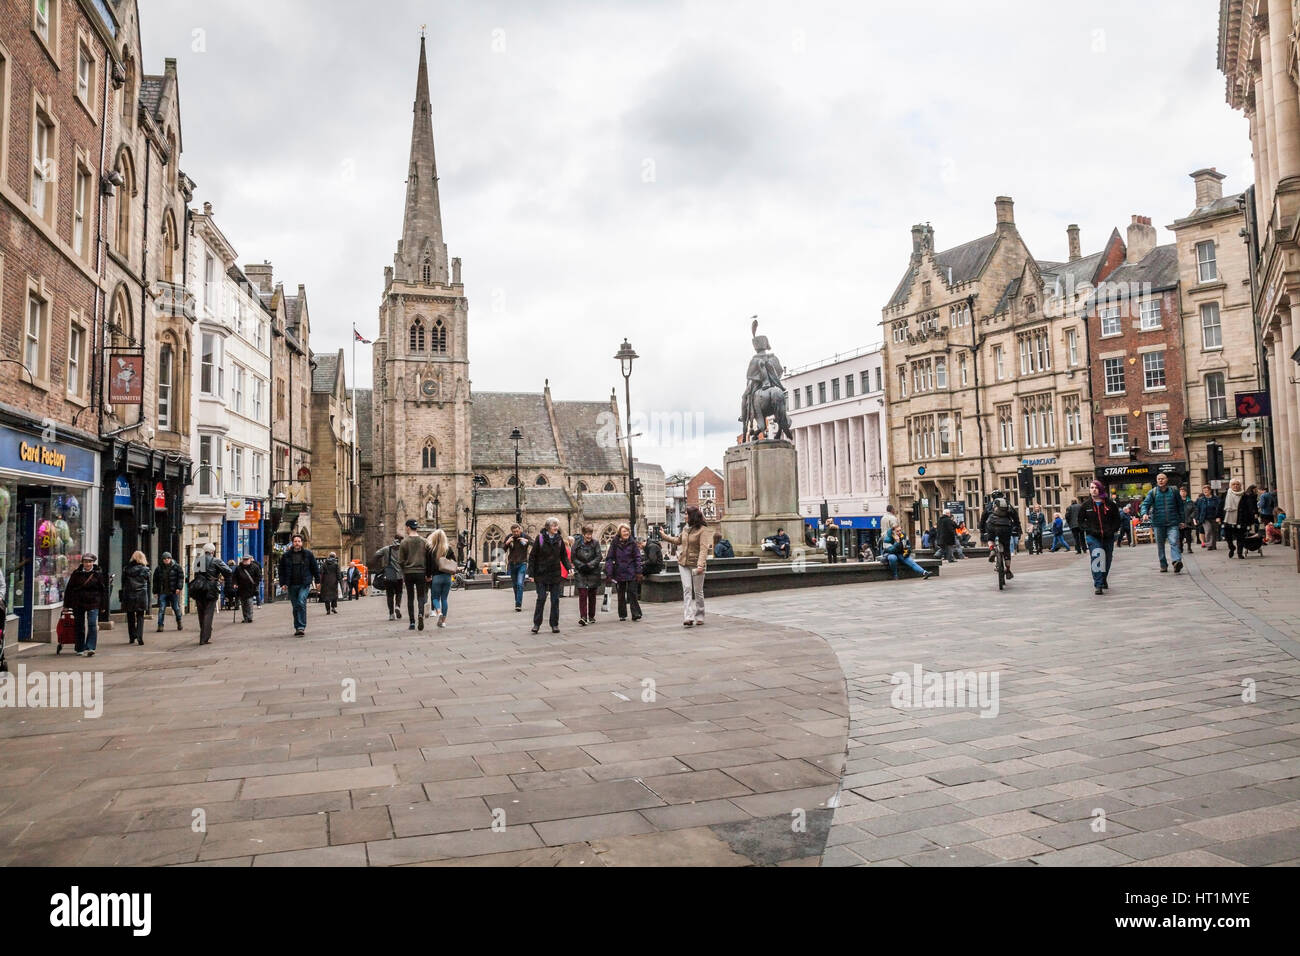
417	335
429	457
510	482
609	486
541	480
438	337
428	271
582	487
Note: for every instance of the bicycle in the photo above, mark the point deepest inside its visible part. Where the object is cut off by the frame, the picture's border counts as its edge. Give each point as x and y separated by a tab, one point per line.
1000	561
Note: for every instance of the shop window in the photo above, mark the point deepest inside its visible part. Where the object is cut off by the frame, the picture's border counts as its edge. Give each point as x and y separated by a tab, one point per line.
56	552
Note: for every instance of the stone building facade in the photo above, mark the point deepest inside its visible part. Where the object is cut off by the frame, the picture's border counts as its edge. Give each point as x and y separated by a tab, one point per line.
974	393
1257	55
442	454
1219	355
1135	338
335	493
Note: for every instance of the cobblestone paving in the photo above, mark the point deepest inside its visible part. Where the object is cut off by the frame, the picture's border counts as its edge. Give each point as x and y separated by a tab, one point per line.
1121	735
728	765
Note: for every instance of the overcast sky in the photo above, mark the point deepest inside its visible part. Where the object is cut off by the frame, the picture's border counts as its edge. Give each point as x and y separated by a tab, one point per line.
665	170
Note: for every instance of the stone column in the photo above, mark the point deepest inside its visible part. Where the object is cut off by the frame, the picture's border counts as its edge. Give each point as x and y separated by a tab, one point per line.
841	465
814	444
1286	109
1268	138
1281	444
1287	395
856	468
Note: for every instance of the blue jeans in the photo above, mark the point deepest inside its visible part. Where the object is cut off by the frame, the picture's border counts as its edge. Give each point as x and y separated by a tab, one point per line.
1058	541
1100	553
164	602
517	573
895	561
87	624
438	592
298	598
1167	534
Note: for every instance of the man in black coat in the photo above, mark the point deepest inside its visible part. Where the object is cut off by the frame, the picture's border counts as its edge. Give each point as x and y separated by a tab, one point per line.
1074	521
169	586
947	537
85	594
248	575
545	560
298	570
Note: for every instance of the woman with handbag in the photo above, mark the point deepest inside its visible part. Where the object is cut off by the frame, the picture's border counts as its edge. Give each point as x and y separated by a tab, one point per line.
444	566
135	596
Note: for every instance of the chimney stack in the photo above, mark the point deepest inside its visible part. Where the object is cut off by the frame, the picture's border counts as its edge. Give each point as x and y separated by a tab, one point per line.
1005	215
918	232
1141	239
1072	231
260	276
1209	186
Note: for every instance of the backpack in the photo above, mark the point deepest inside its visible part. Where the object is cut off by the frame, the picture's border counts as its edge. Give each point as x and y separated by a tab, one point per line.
652	557
203	586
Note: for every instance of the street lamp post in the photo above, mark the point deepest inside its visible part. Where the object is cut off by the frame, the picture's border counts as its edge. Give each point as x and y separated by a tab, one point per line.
517	436
437	502
625	356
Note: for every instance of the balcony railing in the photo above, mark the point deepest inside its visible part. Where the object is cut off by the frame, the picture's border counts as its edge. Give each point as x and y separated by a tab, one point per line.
174	300
1194	425
351	524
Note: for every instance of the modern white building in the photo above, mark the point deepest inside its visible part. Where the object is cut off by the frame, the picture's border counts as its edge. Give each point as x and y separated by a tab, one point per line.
837	412
226	504
653	494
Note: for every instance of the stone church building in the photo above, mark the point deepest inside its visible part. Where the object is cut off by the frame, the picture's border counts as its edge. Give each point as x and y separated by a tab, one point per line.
442	453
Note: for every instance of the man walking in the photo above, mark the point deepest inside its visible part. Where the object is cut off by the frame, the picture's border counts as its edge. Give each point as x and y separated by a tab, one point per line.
1165	509
947	535
516	548
168	583
248	575
209	571
1037	520
1267	505
416	561
85	594
298	571
1074	521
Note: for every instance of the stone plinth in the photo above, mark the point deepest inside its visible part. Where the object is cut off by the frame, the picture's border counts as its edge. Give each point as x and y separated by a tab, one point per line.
762	494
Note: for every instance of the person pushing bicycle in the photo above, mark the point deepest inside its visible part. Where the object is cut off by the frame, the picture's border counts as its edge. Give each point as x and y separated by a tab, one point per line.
999	523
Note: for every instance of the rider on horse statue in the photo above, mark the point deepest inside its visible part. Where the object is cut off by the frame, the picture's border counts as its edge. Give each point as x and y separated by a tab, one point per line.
764	394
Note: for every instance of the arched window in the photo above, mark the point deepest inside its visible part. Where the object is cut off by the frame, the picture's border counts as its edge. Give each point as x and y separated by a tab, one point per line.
582	487
168	247
166	371
429	457
438	337
126	169
609	486
607	535
417	335
128	90
428	270
492	544
541	480
122	323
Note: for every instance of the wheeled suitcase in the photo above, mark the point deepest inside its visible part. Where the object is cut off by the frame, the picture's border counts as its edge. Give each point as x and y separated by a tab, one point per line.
66	630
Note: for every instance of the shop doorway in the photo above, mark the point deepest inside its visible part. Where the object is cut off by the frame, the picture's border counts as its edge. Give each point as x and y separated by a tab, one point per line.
22	579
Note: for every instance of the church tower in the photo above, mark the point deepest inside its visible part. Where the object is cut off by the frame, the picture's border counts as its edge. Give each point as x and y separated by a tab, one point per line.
421	358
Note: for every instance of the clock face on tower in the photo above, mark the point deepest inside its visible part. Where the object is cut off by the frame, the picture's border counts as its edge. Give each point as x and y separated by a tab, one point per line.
429	388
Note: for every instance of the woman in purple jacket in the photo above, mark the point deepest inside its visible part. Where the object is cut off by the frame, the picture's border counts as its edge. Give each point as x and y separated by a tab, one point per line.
623	566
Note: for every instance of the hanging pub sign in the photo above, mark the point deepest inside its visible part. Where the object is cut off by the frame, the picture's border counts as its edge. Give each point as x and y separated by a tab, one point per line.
159	497
304	473
125	379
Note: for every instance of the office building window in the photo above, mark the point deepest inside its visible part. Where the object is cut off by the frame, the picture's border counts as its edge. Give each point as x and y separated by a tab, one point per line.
1072	345
1006	427
821	393
941	372
1150	314
848	386
166	370
1153	370
998	370
1216	395
1113	369
880	385
808	396
1158	431
1117	433
1207	266
835	389
1073	412
796	399
1110	321
1211	329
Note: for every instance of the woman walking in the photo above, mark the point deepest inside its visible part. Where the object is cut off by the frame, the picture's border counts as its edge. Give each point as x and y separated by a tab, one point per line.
547	562
587	574
1102	520
623	566
444	555
331	576
692	558
1237	518
135	596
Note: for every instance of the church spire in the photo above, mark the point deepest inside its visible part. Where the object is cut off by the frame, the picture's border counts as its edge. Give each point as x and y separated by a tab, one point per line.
422	254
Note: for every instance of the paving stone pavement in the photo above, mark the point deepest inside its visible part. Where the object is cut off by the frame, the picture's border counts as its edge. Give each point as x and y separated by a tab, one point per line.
246	751
1130	710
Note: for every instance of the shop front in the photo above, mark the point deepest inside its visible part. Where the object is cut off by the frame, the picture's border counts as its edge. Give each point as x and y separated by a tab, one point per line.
143	494
49	514
855	531
243	532
1134	480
